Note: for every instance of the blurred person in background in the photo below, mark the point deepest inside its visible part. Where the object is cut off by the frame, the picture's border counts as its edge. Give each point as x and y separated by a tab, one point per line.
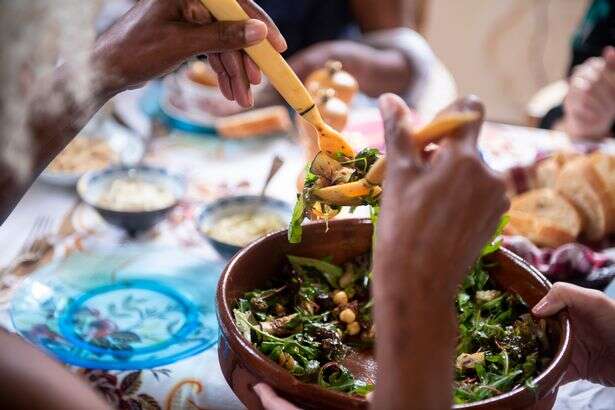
588	110
375	40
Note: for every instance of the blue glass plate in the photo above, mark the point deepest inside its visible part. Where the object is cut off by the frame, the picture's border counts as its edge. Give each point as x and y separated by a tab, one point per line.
133	307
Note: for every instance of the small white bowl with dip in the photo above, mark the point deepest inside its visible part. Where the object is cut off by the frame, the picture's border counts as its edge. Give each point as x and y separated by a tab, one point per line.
230	223
132	198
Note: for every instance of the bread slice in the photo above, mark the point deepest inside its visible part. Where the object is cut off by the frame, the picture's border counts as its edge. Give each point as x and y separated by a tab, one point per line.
544	217
252	123
548	169
604	165
580	183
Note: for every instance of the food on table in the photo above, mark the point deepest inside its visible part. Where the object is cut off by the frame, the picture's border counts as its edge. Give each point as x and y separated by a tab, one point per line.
605	167
264	121
564	182
133	194
333	181
544	217
333	76
548	169
315	320
84	154
581	184
202	73
242	228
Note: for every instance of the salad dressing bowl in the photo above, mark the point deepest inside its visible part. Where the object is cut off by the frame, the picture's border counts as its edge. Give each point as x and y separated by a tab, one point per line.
243	365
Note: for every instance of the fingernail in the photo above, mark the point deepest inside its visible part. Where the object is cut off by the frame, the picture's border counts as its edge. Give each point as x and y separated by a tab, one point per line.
255	31
540	306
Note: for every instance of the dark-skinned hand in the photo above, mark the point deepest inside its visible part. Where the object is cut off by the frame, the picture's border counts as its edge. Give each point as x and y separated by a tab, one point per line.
155	37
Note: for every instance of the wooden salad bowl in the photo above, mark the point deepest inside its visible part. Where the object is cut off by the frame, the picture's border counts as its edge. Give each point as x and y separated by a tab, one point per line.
244	366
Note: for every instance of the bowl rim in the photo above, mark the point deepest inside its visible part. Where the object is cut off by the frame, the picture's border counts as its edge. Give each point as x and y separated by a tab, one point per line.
84	181
281	379
220	202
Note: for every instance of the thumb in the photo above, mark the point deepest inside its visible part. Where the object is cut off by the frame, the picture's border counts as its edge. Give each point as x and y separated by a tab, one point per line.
565	295
609	56
225	35
394	113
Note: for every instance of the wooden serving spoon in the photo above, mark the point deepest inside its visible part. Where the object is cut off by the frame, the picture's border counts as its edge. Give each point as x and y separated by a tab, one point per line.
283	79
351	193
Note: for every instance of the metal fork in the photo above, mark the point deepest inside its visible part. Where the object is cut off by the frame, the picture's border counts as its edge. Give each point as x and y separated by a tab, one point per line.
35	244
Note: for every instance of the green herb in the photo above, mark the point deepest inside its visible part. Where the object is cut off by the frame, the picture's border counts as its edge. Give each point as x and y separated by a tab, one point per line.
295	229
330	272
500	346
359	166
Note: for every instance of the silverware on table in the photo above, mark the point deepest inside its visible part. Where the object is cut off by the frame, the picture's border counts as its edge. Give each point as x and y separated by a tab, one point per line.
276	164
35	246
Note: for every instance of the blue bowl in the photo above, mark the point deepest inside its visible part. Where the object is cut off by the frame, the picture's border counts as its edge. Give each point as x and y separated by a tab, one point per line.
227	206
92	184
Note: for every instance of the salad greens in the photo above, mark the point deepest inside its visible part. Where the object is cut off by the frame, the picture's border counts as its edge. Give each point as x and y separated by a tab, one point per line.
311	319
316	313
344	170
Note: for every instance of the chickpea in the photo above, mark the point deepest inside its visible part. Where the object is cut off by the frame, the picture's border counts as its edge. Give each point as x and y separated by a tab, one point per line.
340	298
353	328
347	315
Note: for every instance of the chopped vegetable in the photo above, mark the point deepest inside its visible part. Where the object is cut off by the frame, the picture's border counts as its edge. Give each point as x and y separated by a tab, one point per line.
330	183
318	313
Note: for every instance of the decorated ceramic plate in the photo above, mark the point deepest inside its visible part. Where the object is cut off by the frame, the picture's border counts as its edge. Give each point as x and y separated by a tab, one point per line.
133	307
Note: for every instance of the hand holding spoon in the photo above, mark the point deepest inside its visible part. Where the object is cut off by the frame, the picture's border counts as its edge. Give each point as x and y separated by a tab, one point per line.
284	80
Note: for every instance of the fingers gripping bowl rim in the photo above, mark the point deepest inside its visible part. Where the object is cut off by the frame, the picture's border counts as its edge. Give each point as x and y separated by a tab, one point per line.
243	365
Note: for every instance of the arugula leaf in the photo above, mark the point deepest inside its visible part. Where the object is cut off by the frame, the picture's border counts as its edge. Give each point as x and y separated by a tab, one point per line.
496	242
366	158
295	230
334	376
330	272
243	323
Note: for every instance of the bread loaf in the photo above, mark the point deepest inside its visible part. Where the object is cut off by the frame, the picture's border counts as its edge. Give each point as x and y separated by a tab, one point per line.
264	121
545	217
548	169
581	184
604	165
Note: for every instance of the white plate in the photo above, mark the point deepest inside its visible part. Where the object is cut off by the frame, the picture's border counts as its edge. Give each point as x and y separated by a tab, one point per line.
128	147
181	100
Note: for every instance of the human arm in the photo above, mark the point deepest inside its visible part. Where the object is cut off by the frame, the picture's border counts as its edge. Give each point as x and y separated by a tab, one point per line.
377	69
433	223
31	381
593	319
150	40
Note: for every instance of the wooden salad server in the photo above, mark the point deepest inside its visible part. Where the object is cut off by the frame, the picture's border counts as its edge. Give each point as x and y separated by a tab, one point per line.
431	133
351	193
284	80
